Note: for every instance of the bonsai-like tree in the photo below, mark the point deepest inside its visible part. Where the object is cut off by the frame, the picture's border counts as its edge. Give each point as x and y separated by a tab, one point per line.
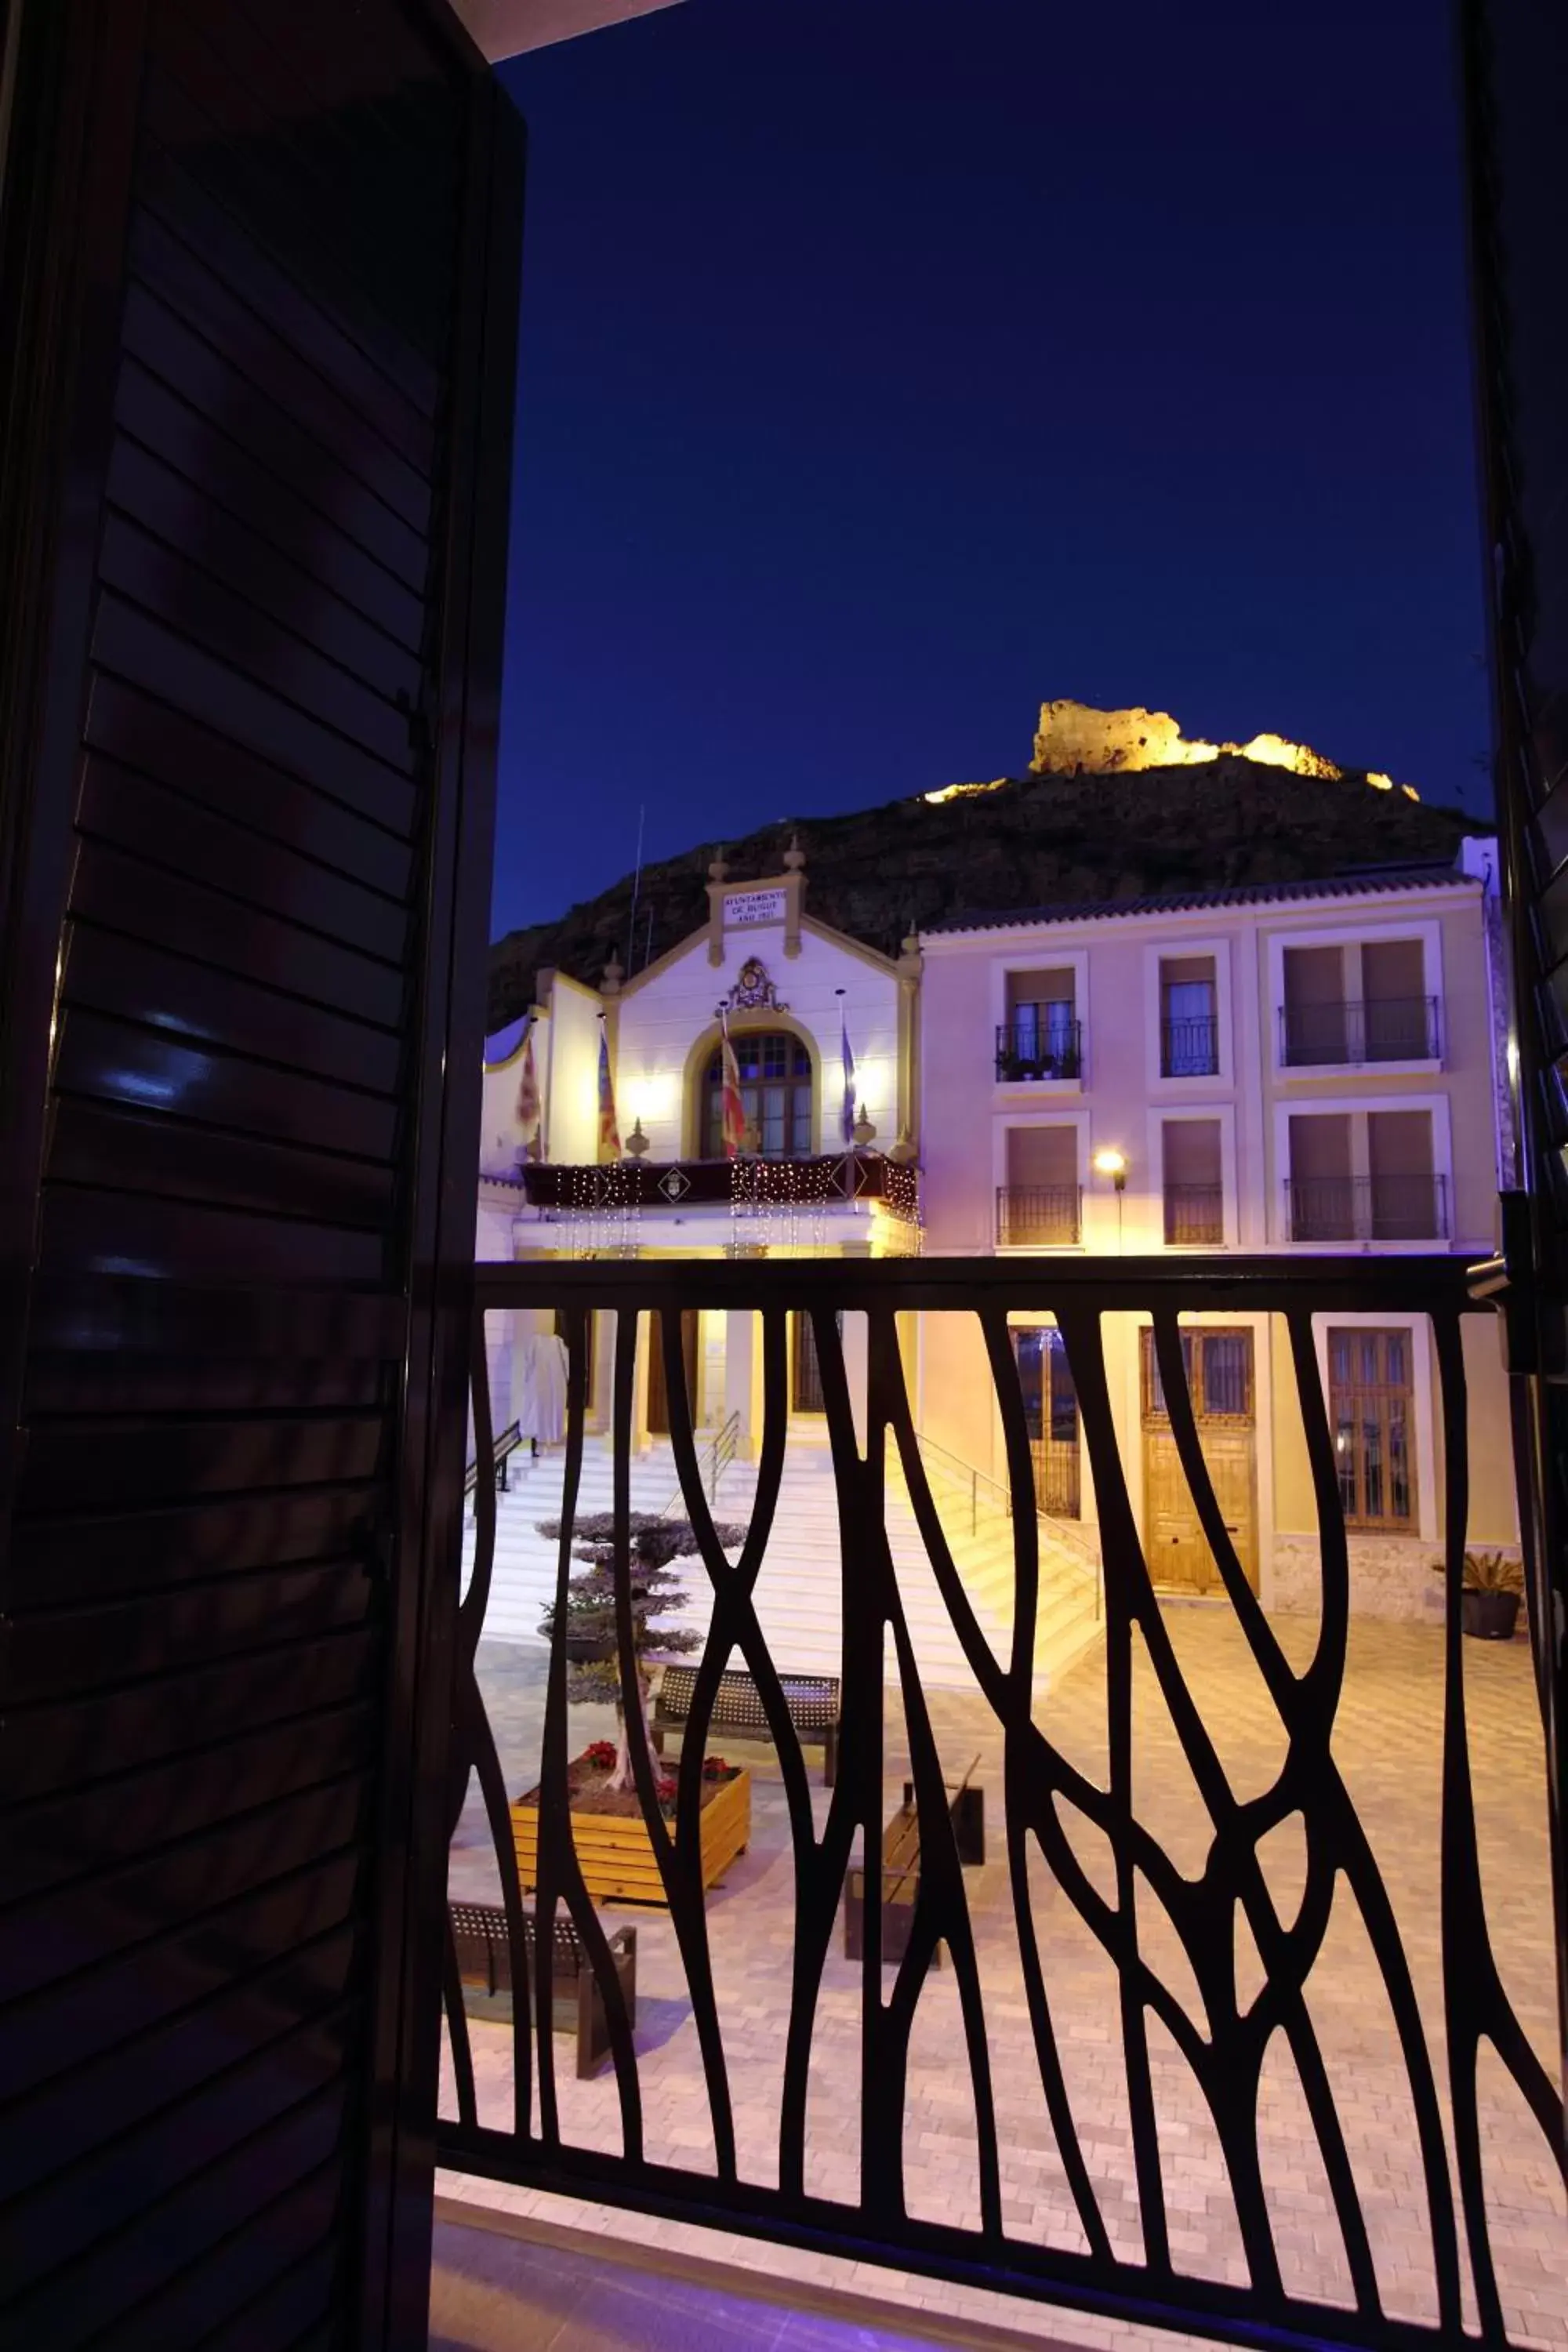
594	1667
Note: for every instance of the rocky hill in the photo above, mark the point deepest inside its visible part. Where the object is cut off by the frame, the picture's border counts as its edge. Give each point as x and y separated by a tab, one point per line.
1025	841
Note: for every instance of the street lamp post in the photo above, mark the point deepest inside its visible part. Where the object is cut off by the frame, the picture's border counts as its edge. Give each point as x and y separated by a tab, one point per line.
1113	1163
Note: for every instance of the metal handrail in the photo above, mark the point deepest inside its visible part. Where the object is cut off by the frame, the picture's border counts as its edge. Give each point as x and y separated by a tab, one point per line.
1026	1050
1062	1533
1194	1213
1039	1215
966	1470
717	1454
1189	1045
506	1445
1395	1208
1082	1295
1349	1033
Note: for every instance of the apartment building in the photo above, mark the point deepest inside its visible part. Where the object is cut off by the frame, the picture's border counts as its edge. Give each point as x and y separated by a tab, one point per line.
1292	1068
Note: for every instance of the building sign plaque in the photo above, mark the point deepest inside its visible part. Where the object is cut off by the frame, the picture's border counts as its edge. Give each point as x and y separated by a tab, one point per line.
753	907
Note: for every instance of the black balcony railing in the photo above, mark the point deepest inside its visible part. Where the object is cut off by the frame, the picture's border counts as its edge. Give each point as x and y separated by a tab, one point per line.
1041	1041
1368	1208
783	2047
1038	1216
1189	1048
1194	1213
1339	1036
636	1185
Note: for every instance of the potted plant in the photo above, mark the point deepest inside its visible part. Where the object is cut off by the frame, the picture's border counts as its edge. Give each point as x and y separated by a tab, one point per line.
589	1634
1490	1594
614	1842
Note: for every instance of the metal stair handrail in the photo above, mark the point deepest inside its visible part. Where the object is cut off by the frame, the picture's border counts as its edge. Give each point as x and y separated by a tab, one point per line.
1070	1539
506	1446
714	1459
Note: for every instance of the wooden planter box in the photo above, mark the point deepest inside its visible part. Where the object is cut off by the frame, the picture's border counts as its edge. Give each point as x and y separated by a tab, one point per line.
613	1851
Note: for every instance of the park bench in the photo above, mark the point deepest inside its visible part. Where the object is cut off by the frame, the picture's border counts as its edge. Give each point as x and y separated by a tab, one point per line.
812	1699
902	1868
576	2005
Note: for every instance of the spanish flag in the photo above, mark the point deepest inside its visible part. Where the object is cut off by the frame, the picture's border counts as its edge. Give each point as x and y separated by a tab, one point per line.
528	1110
734	1109
609	1133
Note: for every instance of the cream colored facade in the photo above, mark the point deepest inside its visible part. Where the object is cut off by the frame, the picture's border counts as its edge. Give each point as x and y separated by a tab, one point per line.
1215	1037
506	28
764	966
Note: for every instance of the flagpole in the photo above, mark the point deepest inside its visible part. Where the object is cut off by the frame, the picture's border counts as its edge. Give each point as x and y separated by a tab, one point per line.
636	893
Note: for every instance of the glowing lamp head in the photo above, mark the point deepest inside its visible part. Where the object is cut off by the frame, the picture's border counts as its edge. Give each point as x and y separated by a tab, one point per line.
1112	1163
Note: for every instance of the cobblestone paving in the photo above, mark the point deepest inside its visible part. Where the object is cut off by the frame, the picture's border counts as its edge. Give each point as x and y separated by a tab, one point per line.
1387	1745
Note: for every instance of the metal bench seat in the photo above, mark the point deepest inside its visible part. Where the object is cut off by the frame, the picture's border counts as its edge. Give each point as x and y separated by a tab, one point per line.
577	2004
813	1701
900	1871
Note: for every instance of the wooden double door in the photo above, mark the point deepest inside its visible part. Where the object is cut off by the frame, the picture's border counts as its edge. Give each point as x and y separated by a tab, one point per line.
806	1369
1220	1380
658	1385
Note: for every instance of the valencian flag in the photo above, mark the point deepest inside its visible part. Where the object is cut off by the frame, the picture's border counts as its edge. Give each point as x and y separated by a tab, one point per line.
528	1094
848	1119
734	1109
609	1133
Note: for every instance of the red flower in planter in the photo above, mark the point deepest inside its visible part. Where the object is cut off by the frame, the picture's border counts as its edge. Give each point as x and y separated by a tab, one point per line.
714	1767
601	1754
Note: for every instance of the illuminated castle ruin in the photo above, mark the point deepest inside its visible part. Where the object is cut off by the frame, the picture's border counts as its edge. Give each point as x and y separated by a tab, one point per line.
1073	740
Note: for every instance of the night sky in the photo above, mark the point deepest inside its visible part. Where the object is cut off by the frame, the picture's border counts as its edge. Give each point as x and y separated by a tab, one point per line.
889	366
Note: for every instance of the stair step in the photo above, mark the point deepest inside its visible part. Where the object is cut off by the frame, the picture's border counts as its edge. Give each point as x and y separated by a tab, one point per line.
799	1597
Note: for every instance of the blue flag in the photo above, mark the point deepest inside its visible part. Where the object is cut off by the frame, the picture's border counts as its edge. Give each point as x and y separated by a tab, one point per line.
848	1123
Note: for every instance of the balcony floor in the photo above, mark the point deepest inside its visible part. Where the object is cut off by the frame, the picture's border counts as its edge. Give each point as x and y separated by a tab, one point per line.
514	2286
1388	1743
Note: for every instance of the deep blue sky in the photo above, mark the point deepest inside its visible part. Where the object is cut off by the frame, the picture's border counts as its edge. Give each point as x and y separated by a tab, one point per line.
890	365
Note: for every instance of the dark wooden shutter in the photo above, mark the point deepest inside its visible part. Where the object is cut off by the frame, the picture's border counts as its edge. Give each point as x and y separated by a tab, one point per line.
1515	57
257	318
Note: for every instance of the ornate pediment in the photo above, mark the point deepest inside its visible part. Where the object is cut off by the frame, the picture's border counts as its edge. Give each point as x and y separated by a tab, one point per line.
755	992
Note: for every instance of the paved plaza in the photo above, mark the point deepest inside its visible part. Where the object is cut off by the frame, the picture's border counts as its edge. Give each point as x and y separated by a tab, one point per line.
1388	1748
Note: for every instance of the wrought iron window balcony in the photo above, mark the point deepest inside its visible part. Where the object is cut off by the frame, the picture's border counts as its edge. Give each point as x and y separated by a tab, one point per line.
1368	1208
1194	1213
1038	1216
824	1179
1190	1048
1028	1048
1347	1035
499	1765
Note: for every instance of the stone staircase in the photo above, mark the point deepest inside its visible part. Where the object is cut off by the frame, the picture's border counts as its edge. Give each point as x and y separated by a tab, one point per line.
799	1589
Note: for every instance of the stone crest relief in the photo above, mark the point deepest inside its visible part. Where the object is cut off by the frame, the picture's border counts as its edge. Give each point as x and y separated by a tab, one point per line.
754	992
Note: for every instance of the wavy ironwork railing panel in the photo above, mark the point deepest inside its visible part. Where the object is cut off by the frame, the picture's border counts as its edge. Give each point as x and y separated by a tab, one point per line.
866	1412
